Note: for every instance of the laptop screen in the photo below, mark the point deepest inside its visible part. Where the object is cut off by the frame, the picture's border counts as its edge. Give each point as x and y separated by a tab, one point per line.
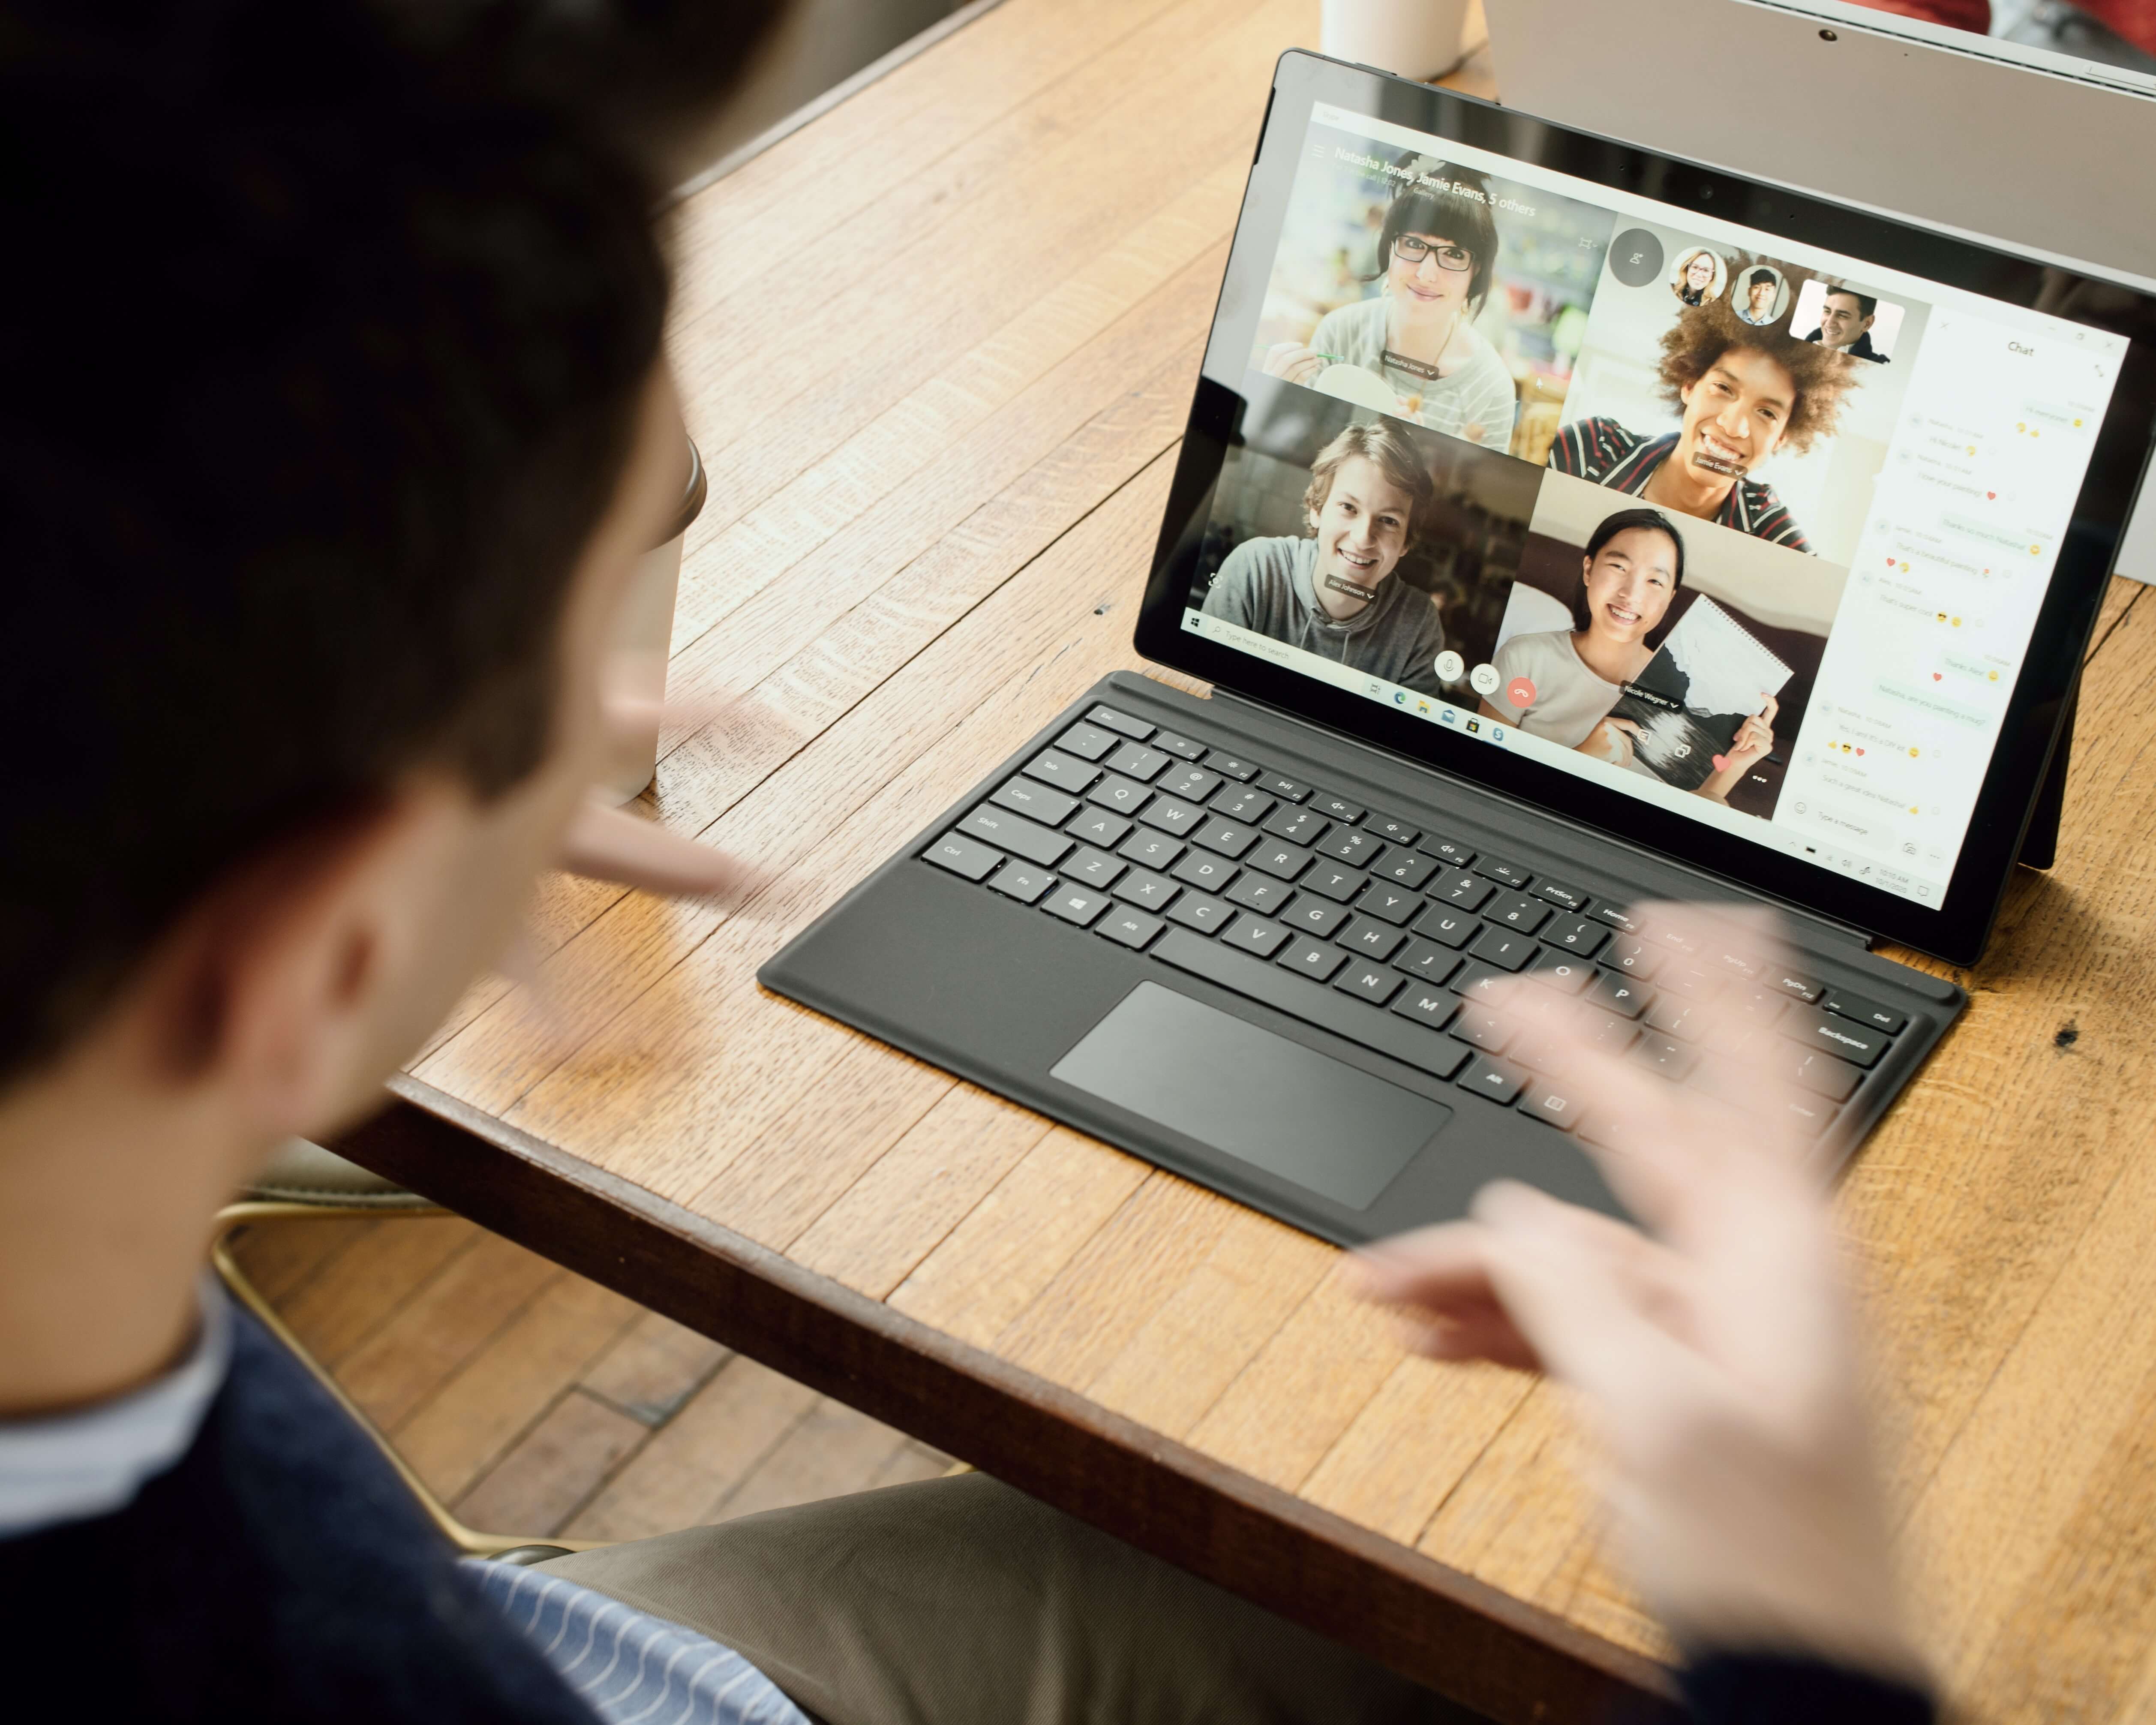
1748	530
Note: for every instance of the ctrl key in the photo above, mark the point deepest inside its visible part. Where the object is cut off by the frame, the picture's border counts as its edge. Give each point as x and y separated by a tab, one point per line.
963	856
1076	904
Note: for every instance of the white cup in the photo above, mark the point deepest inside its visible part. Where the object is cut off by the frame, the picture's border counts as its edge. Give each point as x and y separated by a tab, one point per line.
1417	38
644	634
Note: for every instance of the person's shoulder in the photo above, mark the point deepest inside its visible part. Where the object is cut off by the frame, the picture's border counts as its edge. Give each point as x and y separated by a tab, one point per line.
1770	517
1591	445
1542	646
1352	321
1261	555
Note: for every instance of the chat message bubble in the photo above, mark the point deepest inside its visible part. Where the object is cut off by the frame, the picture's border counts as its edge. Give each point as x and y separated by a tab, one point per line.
1930	701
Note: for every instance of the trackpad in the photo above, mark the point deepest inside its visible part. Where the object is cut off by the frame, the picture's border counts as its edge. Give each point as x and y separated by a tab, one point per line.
1250	1094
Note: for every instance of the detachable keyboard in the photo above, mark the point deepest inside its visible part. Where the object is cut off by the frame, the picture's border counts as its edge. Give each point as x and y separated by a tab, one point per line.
1199	855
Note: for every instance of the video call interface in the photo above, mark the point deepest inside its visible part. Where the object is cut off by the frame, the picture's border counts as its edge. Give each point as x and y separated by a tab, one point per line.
1758	537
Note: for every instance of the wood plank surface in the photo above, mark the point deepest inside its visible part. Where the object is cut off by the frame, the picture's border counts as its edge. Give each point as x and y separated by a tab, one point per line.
938	347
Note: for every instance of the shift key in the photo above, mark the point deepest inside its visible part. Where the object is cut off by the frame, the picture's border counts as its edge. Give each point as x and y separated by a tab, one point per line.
1015	834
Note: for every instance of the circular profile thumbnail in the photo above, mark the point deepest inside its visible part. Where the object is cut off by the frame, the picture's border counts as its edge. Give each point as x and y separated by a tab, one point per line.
1759	293
1700	274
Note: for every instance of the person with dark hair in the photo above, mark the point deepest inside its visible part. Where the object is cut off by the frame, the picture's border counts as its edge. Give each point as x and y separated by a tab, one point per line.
1844	324
1695	276
1436	251
1742	394
1762	287
327	460
1333	592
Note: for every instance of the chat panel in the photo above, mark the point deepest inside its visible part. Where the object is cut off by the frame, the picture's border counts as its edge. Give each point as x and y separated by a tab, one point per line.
1699	386
1431	292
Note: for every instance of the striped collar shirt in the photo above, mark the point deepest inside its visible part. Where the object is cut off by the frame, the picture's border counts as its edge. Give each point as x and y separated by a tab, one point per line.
1604	452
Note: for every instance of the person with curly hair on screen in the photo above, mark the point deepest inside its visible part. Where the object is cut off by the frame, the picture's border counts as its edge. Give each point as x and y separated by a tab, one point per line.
1742	393
1334	593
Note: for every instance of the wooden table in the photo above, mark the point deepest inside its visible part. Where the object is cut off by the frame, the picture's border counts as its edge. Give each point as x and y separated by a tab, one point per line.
937	347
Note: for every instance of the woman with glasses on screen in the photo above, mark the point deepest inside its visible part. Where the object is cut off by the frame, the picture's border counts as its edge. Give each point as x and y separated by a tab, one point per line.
1435	254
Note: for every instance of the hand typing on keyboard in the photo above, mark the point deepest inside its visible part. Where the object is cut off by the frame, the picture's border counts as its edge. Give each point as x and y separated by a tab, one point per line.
1717	1352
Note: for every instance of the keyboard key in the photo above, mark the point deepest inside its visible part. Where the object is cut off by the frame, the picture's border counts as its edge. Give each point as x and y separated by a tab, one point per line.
1206	873
1123	722
1135	761
1254	934
1516	910
1374	941
1448	850
1259	892
1742	965
1129	928
1425	959
1560	971
1502	947
1230	838
1576	935
1349	1019
1126	796
1231	766
1075	904
1392	832
1089	743
1334	882
1479	1027
1369	981
1312	958
1475	981
1621	995
1015	834
1552	1105
1141	886
1381	898
1812	1114
1674	1015
1098	826
1283	862
1022	882
1182	747
1511	873
1426	1005
1629	955
1244	804
1465	891
1618	917
1454	928
1494	1079
1194	909
1172	814
1152	850
1339	809
1692	982
1844	1005
963	856
1826	1076
1564	897
1093	868
1315	917
1066	772
1805	988
1664	1055
1286	789
1298	826
1758	1007
1408	868
1613	1035
1035	801
1193	784
1349	846
1856	1043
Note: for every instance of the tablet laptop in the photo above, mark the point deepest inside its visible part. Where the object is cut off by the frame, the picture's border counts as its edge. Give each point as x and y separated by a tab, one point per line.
1561	527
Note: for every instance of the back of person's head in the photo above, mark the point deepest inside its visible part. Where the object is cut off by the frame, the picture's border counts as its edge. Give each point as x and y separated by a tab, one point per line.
327	327
1625	520
1384	444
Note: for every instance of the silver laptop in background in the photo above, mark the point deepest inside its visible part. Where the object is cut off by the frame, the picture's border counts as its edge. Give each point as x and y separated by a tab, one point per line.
1982	137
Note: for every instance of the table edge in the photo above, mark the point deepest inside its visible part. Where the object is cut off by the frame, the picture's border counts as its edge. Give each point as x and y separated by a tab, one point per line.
1434	1624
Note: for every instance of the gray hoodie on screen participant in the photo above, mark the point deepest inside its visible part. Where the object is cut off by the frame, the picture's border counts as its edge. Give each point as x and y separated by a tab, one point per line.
1269	586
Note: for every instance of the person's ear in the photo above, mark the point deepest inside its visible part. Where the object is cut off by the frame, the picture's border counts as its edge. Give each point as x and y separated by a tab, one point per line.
283	987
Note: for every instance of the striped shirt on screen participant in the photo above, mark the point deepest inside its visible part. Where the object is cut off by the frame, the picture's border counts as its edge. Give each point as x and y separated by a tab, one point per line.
1604	452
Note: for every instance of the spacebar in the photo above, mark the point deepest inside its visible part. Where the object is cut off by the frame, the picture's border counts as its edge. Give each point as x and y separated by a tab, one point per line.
1312	1003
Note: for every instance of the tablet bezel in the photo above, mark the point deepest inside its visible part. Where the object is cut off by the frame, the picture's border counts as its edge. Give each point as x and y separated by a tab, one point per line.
1956	930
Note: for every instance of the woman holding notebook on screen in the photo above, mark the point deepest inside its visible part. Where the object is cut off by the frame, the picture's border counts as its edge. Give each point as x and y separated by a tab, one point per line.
1565	684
